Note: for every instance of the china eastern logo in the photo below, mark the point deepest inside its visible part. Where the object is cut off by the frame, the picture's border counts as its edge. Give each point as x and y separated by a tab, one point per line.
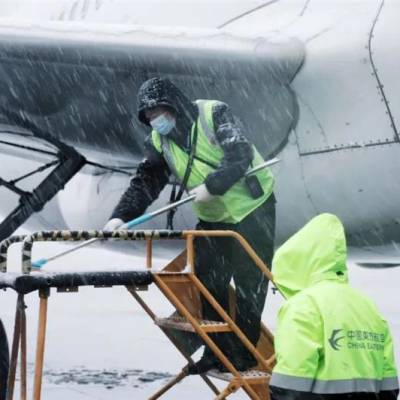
334	339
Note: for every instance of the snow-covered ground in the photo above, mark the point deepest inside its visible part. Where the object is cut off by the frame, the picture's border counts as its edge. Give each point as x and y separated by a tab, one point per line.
101	345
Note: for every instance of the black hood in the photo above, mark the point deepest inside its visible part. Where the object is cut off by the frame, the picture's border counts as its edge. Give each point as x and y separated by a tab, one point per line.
162	92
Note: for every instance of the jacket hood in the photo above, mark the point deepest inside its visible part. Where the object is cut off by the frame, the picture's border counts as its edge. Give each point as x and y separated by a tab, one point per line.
162	92
315	253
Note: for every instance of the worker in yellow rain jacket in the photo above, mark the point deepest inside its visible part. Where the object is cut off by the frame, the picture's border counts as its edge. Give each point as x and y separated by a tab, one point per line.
331	341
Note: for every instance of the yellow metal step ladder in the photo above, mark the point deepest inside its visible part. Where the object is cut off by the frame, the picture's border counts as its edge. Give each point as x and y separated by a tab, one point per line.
186	328
179	284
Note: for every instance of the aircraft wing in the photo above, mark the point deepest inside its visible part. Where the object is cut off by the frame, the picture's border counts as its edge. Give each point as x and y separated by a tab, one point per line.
378	257
78	83
379	264
72	87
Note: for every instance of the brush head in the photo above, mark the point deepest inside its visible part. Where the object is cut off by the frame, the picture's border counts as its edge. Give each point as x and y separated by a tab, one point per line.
39	263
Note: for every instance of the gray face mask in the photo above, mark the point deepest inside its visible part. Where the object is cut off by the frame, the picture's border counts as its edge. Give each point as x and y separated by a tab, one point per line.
163	124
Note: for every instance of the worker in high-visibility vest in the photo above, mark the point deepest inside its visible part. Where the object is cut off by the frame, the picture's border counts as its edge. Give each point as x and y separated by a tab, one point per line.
202	146
331	342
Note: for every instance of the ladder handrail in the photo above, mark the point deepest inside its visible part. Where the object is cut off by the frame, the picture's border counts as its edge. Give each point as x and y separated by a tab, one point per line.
83	235
189	235
148	235
4	246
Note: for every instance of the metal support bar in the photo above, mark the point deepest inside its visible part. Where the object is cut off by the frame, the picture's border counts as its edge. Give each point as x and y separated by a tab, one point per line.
14	349
45	191
150	313
11	186
37	386
23	366
169	385
149	253
231	388
40	169
190	252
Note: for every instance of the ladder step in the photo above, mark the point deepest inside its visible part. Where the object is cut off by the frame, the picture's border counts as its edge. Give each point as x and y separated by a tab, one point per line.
182	324
174	277
252	376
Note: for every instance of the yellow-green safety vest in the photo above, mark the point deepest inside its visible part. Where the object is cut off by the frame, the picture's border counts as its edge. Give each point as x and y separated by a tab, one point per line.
236	203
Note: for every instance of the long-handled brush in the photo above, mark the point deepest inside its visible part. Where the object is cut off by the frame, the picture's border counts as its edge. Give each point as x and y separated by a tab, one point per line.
143	218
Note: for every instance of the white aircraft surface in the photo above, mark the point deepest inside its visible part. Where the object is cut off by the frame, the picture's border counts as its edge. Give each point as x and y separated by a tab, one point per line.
313	81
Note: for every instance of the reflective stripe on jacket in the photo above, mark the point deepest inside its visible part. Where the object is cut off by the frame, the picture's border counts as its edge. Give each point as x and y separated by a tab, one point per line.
330	338
237	202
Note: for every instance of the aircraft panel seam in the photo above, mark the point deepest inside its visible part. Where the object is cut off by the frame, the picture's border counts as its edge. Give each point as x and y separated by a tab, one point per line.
375	74
317	35
304	8
316	120
297	18
303	178
259	7
348	147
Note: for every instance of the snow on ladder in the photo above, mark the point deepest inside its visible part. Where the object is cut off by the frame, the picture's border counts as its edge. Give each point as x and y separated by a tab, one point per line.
179	284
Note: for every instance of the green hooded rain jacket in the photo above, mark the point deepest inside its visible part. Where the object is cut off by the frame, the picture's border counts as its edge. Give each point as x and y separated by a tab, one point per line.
330	338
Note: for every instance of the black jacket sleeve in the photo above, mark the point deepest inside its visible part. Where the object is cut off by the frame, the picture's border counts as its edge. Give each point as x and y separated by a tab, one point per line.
150	179
238	151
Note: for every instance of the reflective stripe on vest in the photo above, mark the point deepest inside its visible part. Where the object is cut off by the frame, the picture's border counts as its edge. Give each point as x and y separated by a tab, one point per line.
333	386
203	107
237	202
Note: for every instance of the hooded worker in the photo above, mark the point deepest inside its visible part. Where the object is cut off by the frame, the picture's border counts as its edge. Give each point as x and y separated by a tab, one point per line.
331	342
203	147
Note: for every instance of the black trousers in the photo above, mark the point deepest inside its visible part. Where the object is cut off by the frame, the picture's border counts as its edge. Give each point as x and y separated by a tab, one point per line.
218	260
